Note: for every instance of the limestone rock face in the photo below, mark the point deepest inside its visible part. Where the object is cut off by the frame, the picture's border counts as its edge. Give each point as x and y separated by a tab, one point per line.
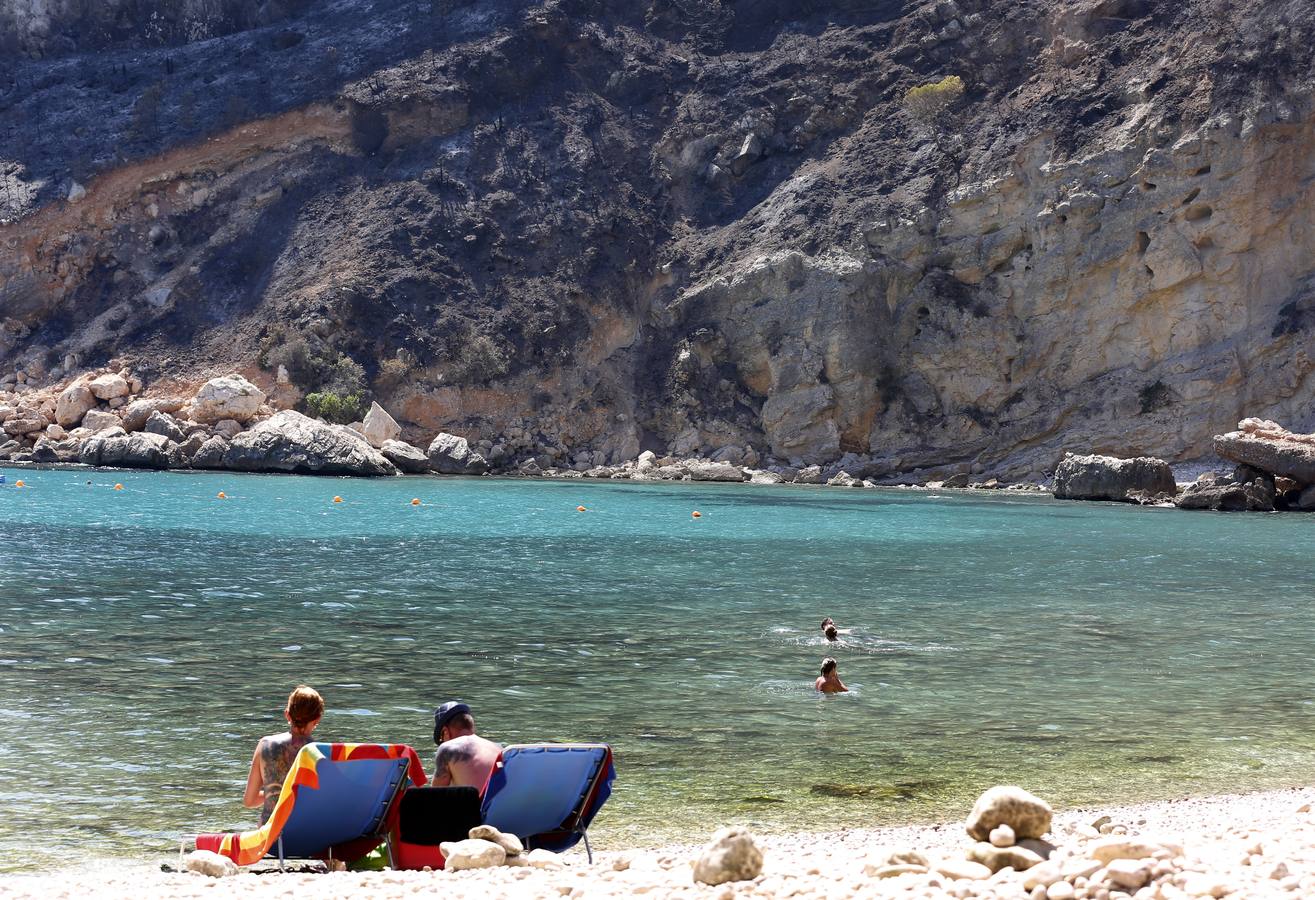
451	455
290	442
702	470
1109	478
109	387
411	460
229	397
1271	448
731	855
1028	815
379	427
471	854
136	413
26	421
73	403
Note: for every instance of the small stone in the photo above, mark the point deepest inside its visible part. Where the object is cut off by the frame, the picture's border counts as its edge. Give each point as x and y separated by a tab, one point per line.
471	854
1028	815
1127	874
731	855
894	871
544	859
1060	890
1002	836
508	842
997	858
620	864
962	869
207	862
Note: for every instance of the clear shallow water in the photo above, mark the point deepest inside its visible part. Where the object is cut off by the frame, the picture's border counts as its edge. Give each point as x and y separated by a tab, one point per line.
1091	652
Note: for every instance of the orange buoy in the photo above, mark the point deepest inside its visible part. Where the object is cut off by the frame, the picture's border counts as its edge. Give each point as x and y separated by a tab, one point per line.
19	483
580	509
337	499
696	515
118	487
415	501
222	496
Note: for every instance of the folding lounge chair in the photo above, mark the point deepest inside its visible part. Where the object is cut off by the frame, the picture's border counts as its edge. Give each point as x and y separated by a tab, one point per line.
547	794
337	800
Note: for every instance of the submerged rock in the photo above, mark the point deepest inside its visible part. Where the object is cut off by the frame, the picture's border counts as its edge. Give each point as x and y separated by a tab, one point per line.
290	442
1111	478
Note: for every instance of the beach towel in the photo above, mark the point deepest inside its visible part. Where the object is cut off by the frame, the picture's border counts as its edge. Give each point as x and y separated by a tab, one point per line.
248	847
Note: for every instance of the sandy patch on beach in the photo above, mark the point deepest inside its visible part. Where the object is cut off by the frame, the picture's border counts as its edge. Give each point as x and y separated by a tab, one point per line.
1251	845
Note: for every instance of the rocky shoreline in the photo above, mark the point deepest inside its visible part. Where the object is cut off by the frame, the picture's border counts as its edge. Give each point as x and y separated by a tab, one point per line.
229	424
1256	845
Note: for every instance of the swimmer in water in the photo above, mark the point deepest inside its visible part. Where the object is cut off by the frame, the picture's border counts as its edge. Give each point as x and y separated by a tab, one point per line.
832	634
829	682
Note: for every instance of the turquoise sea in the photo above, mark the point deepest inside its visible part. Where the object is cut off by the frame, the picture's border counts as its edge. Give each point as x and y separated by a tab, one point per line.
1090	652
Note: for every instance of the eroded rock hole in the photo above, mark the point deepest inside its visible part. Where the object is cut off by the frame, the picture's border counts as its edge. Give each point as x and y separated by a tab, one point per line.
1143	241
1204	170
1148	185
1196	192
1199	213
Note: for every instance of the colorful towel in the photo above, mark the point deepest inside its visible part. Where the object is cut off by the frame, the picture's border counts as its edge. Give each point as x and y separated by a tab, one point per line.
248	847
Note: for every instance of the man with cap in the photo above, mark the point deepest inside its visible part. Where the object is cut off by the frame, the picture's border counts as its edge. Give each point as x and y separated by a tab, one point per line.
464	758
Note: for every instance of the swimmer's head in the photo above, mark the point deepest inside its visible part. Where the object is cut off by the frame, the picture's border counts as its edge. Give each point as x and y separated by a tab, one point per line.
830	632
827	621
828	666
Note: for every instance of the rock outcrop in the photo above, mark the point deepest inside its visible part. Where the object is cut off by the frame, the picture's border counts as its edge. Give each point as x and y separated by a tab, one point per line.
1110	478
379	427
115	447
1271	448
411	460
291	442
1237	493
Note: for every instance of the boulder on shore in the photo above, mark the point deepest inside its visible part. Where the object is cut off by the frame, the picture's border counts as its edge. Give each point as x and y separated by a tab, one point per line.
379	427
73	403
1271	448
115	447
229	397
290	442
1111	478
1235	493
731	855
411	460
451	455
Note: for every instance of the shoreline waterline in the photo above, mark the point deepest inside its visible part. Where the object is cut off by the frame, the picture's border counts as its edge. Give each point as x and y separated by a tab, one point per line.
1219	836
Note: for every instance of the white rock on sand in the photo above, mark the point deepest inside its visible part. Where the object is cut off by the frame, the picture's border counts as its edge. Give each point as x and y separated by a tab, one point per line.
1251	846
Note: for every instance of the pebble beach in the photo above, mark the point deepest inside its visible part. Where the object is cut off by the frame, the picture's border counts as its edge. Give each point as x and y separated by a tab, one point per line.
1248	845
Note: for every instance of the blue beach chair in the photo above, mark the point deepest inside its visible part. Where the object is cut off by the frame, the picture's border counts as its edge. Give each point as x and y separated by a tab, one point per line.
547	794
337	801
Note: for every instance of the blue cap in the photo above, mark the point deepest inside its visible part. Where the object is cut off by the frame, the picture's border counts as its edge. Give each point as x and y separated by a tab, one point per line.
446	713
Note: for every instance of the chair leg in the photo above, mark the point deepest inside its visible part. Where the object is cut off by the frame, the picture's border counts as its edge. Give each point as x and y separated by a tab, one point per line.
281	853
587	850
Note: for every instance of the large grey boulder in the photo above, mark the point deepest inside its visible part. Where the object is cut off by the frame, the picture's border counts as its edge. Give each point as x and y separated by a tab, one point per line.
290	442
1111	478
211	453
1271	448
137	413
115	447
165	424
411	460
1236	493
229	397
100	420
379	427
451	455
704	470
110	386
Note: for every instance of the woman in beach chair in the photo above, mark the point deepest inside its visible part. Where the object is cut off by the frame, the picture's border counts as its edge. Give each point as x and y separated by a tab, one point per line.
276	752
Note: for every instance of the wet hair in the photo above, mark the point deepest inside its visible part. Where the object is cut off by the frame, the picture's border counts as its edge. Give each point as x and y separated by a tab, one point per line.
827	621
828	665
305	705
830	632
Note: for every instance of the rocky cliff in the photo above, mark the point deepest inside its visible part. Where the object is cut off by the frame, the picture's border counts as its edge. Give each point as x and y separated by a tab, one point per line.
582	229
